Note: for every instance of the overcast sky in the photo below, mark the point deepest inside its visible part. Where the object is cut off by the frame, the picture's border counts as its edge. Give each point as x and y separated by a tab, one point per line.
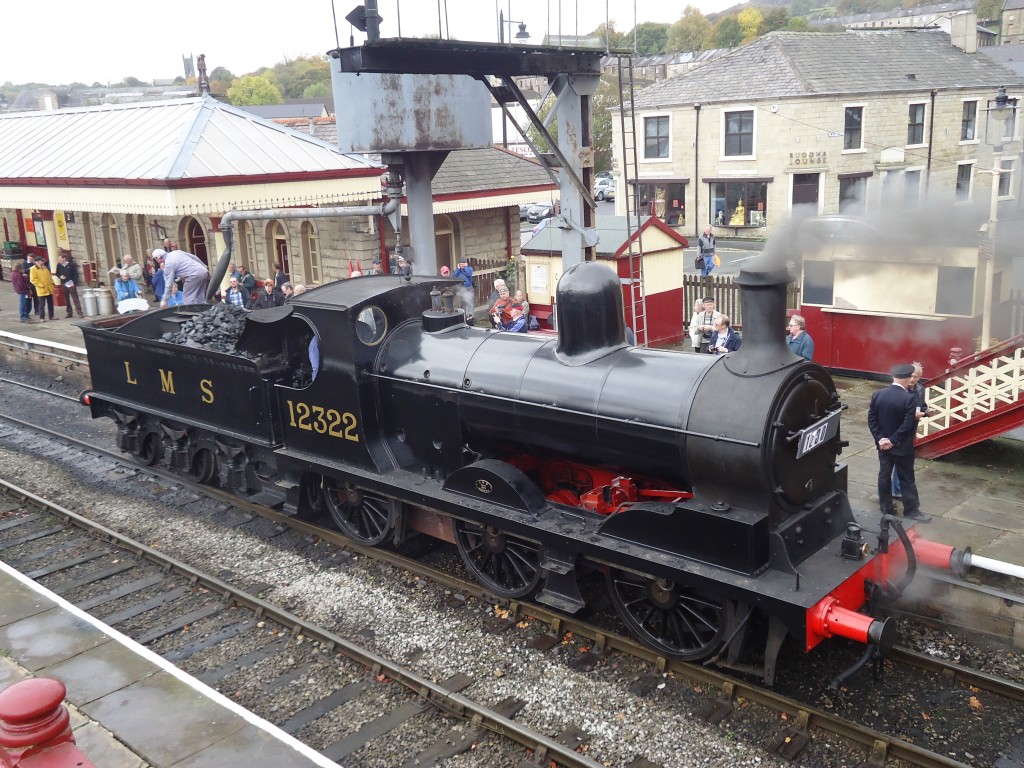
63	41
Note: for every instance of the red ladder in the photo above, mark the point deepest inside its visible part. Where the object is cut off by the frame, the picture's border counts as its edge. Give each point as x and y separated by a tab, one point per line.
981	397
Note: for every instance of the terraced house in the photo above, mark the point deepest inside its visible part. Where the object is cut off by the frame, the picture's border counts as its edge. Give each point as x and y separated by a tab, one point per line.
844	122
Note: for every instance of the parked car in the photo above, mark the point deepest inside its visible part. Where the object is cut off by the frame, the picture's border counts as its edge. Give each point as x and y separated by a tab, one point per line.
539	211
604	189
523	210
602	175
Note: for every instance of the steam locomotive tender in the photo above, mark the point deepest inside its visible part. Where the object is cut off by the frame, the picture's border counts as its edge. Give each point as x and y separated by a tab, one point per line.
706	488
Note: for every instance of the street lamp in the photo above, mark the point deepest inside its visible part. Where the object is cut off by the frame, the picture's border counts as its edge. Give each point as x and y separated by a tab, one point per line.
522	34
1002	111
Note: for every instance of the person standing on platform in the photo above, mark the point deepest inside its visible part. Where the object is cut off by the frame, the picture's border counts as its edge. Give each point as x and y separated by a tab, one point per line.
280	278
23	288
706	323
67	273
191	271
42	279
892	420
799	341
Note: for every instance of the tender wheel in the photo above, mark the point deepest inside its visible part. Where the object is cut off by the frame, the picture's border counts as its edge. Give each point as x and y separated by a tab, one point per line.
203	466
358	514
151	450
507	565
671	619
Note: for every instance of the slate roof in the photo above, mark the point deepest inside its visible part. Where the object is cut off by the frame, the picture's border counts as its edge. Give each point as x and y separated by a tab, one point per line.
611	231
800	64
1013	5
1010	56
464	171
184	139
485	170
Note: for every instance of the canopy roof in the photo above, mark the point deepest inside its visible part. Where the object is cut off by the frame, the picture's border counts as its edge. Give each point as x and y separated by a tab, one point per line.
170	157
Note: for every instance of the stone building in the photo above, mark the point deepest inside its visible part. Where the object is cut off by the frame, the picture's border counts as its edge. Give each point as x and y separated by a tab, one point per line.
838	123
105	181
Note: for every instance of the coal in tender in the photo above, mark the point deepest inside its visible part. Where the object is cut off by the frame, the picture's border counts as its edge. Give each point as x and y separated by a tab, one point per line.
217	329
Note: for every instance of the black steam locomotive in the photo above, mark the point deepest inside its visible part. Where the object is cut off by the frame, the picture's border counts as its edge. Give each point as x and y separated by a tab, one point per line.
706	488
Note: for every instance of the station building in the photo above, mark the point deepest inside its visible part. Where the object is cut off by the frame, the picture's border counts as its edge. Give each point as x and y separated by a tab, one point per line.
104	181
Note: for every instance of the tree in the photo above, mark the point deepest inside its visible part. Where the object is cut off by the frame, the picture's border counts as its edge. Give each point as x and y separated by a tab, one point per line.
253	90
798	24
750	22
605	97
774	19
727	33
688	34
650	38
131	82
296	75
988	9
319	91
614	38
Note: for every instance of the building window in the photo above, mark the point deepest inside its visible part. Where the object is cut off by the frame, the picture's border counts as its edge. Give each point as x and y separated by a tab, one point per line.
655	137
852	137
664	200
739	203
853	195
739	133
310	254
819	279
915	124
912	188
1005	178
969	121
963	181
954	292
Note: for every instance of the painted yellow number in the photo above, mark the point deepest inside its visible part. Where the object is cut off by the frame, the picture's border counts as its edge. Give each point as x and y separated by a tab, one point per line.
323	421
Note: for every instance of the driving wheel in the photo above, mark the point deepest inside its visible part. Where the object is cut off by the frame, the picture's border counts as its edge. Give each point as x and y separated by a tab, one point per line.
507	565
361	516
675	621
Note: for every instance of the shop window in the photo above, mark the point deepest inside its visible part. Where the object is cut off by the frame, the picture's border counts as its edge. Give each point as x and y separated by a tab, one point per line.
954	294
853	194
739	133
852	136
656	137
912	188
664	200
819	280
739	203
915	124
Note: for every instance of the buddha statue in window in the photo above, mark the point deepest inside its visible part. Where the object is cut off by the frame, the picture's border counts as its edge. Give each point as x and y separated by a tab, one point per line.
739	215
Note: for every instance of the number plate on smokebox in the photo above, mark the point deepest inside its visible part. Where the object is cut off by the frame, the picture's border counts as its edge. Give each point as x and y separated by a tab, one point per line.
818	433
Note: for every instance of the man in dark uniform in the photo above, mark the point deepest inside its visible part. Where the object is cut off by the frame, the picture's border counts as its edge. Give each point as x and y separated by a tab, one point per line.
892	422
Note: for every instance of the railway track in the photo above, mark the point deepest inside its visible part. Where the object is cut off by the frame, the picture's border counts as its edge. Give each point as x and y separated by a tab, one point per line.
180	612
726	695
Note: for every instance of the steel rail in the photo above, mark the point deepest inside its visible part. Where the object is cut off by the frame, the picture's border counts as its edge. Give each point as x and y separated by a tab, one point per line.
433	693
806	718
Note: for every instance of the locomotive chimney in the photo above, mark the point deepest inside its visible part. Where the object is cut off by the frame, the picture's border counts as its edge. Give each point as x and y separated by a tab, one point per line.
763	299
589	312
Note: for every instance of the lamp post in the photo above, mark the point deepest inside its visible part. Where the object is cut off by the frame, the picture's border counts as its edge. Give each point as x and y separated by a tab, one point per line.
1000	110
522	34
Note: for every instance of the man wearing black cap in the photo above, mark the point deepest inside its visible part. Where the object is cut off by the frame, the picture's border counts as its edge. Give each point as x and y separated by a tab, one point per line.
892	421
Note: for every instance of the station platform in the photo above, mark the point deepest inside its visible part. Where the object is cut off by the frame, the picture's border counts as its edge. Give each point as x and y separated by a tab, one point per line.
129	707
